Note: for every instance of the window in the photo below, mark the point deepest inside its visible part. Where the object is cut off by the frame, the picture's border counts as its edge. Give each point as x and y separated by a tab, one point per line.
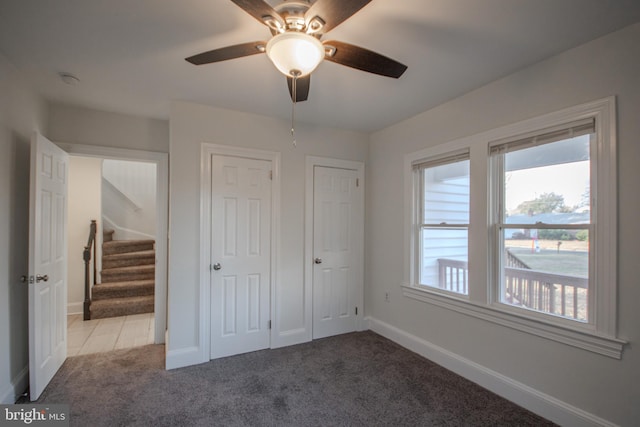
443	192
543	223
531	207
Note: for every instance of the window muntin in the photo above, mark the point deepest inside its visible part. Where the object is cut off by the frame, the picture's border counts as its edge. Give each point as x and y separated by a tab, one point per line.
543	222
443	223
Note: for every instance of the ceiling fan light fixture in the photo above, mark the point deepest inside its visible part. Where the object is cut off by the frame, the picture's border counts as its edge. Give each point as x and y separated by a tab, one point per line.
295	54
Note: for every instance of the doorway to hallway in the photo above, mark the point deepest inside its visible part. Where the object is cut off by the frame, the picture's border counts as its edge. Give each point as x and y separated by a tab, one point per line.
157	274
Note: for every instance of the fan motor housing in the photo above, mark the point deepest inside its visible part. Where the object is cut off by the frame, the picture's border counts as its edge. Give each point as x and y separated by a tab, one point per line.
293	13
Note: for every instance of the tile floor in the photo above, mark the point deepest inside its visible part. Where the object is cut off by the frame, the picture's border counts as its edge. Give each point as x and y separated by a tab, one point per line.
100	335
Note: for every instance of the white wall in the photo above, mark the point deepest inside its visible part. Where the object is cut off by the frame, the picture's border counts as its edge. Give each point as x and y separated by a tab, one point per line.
76	125
129	199
21	112
84	205
192	125
601	386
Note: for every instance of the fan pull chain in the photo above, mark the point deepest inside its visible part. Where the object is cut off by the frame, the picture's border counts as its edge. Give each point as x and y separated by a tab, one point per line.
294	87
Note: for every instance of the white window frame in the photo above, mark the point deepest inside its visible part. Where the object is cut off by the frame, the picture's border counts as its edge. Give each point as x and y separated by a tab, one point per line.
599	335
420	205
498	224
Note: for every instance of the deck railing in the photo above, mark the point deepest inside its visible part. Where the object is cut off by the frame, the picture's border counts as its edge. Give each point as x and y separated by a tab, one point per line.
452	275
537	290
512	260
547	292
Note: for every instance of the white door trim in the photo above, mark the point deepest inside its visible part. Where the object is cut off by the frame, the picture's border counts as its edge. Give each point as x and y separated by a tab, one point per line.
206	151
311	163
162	216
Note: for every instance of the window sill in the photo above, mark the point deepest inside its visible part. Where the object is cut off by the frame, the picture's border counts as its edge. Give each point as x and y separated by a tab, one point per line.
586	340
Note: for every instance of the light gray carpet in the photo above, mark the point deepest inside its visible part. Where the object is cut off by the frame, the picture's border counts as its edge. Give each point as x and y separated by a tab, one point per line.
358	379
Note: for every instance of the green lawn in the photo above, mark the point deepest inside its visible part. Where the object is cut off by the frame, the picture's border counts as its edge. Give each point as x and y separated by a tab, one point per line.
570	263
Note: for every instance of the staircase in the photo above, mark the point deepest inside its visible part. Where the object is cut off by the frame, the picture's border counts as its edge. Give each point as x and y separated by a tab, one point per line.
128	278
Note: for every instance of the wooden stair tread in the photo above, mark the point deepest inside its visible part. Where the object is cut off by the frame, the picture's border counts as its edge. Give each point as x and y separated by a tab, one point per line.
134	272
123	301
129	269
136	254
122	306
124	284
122	246
129	242
129	259
130	288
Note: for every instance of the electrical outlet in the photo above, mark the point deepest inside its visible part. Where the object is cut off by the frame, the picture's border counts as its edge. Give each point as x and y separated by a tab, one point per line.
386	296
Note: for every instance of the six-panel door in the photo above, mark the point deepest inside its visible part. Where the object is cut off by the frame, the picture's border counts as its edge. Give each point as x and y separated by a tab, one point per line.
240	255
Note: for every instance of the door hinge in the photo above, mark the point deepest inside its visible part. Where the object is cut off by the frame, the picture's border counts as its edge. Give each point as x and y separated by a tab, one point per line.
271	175
356	311
357	182
269	324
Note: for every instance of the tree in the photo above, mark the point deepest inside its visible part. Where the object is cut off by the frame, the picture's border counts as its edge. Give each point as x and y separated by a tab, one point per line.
545	203
585	199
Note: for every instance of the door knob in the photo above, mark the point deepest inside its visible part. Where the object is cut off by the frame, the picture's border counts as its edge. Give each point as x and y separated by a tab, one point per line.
217	266
41	278
318	260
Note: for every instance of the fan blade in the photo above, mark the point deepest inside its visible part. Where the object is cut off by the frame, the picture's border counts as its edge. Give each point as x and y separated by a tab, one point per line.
302	87
260	10
229	52
334	12
363	59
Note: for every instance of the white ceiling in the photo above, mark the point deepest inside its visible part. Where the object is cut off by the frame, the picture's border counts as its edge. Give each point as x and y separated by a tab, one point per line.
129	54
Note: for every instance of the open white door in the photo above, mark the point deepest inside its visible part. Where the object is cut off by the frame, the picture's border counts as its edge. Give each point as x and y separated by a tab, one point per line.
47	262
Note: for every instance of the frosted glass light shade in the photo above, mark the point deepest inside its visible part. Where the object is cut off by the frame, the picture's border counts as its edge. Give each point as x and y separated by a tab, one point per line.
294	53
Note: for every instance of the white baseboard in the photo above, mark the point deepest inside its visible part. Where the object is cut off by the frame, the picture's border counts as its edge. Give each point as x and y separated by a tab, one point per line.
535	401
122	233
18	386
183	357
75	308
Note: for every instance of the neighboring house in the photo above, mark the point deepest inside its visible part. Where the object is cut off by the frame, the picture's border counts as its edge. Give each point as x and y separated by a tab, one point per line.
566	383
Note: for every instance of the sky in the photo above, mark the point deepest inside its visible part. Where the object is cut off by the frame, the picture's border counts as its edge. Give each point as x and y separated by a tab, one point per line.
569	180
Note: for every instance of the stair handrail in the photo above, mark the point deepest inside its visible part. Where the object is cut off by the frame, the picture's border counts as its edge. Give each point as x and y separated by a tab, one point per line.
86	255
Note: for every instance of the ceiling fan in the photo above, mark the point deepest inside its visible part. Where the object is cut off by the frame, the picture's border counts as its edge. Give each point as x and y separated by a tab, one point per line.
296	49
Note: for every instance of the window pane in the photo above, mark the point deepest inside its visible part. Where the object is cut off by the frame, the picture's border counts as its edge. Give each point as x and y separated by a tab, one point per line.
444	235
546	270
443	260
446	193
548	183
